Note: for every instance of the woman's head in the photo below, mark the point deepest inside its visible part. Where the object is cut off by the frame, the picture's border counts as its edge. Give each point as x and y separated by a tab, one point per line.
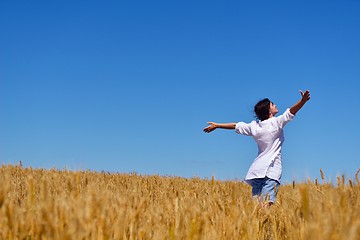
265	109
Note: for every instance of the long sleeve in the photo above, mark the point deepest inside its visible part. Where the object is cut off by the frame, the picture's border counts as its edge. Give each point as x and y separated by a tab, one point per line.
243	128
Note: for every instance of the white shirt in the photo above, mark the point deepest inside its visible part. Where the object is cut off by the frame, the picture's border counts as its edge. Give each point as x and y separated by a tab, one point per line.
269	136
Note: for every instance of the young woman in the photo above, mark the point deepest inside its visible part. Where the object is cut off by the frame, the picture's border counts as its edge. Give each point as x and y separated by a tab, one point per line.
265	172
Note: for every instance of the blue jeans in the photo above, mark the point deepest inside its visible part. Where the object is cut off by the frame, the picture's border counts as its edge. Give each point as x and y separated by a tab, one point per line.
265	188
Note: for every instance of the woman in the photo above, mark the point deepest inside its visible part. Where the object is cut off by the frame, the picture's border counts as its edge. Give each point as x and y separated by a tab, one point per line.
265	172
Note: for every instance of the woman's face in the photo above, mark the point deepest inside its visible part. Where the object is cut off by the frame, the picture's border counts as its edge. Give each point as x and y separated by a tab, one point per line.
273	109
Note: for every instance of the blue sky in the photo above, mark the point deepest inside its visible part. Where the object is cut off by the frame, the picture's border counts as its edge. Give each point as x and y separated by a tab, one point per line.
128	86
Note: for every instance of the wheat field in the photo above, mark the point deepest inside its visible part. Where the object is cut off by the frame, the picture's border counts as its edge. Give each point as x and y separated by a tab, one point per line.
63	204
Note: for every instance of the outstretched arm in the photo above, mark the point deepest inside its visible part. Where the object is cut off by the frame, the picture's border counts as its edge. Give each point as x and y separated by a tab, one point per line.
213	125
305	96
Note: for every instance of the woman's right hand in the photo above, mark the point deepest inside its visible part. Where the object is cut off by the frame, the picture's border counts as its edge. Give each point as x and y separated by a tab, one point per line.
305	96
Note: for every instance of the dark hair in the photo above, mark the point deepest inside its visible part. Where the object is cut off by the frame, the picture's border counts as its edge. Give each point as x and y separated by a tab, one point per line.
262	109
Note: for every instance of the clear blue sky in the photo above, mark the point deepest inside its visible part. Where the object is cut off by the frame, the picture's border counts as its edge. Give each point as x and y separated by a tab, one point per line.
128	86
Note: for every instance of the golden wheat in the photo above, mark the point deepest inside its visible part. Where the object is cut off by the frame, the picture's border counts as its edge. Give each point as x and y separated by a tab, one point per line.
62	204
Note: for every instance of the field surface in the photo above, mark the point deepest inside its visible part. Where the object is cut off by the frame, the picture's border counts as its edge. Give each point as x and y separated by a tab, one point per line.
61	204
